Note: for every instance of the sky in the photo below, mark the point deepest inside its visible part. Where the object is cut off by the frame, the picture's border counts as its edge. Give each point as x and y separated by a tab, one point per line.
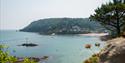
17	14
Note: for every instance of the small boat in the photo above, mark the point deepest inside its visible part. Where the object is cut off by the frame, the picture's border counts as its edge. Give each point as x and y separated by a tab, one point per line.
53	34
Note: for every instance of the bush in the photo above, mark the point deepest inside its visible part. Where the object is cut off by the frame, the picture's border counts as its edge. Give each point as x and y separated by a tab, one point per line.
6	58
93	59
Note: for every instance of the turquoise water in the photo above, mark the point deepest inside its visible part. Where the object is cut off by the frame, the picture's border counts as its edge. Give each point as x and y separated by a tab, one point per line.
59	48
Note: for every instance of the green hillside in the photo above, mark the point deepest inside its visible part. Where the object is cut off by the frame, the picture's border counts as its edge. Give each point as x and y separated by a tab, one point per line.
64	26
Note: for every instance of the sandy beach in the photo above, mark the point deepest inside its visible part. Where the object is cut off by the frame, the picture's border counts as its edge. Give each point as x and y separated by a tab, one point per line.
95	34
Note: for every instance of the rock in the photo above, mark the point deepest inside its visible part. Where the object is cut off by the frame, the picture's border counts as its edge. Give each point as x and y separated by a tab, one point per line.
97	44
45	57
21	59
114	52
107	37
28	44
123	35
88	46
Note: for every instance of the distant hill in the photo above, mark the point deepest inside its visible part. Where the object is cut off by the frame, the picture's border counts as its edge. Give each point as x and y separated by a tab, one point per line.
64	26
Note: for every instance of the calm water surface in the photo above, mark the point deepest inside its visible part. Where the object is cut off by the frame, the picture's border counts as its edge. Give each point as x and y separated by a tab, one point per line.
59	48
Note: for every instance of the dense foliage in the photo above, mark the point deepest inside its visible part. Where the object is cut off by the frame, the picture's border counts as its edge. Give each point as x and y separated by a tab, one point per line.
6	58
63	26
112	16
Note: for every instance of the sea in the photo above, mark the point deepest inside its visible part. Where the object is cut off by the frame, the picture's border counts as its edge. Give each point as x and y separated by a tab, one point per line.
65	48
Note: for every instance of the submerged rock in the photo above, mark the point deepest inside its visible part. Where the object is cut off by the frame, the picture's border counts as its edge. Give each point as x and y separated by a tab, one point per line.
114	51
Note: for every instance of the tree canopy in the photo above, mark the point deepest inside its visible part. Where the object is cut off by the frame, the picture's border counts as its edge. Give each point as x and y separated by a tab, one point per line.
112	16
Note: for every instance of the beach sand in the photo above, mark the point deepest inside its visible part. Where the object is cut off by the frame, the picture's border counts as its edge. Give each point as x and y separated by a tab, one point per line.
94	34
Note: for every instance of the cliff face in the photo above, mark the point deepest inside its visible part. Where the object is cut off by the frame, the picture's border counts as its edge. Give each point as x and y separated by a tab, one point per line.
114	51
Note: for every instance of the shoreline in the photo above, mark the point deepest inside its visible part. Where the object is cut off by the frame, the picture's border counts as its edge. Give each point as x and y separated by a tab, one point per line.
95	34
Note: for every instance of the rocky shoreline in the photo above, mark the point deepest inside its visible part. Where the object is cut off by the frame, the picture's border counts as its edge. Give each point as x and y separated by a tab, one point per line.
114	52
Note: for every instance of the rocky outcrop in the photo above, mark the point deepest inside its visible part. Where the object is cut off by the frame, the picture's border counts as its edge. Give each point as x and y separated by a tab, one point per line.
114	52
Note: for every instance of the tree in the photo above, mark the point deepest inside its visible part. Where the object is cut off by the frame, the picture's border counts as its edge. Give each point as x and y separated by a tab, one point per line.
112	16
